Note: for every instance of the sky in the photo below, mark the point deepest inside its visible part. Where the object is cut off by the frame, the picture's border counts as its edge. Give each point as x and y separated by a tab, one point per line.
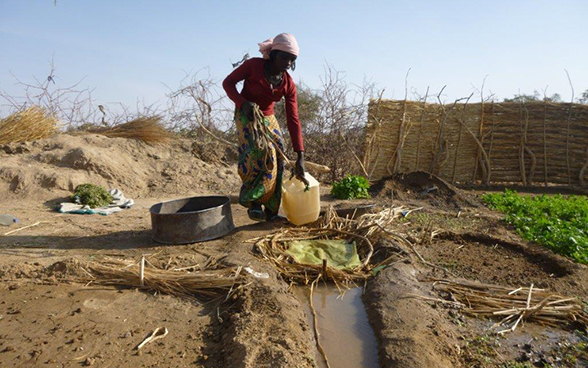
129	50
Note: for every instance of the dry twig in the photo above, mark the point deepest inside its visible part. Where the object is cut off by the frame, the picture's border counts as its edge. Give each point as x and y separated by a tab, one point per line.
515	306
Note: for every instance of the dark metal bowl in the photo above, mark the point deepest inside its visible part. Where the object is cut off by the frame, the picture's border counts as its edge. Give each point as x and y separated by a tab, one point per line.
191	220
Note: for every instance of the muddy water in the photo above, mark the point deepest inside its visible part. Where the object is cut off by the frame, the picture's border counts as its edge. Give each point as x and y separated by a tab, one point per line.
346	335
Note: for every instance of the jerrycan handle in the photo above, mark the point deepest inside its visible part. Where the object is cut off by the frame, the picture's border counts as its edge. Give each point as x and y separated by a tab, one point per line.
293	175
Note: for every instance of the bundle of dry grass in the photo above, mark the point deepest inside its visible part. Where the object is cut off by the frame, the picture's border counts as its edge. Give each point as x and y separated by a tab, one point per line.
147	129
27	125
515	306
204	283
365	231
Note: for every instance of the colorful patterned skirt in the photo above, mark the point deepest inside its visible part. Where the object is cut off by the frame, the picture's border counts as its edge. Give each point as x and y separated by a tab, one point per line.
260	170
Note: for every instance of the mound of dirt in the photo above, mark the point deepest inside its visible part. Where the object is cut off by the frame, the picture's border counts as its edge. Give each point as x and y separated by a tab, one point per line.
418	187
56	165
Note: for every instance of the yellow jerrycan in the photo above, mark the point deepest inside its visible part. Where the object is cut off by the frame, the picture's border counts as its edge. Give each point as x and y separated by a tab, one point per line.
300	206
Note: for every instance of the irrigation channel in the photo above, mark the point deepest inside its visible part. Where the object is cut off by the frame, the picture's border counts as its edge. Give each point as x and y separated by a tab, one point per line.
345	332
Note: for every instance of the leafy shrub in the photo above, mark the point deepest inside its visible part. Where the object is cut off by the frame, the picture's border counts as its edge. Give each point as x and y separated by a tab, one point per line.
351	187
557	222
91	195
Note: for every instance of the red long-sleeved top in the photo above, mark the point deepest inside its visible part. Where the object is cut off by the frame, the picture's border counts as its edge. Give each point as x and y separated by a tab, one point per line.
258	90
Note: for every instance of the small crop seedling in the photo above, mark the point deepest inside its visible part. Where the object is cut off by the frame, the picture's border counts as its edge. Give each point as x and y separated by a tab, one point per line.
557	222
351	187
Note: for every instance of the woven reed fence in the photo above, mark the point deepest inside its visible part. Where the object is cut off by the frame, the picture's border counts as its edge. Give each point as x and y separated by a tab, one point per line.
533	143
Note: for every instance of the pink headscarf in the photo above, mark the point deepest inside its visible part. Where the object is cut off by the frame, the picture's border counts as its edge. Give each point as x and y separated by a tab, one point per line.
283	42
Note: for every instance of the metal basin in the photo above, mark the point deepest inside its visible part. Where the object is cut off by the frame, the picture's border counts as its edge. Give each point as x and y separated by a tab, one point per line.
191	220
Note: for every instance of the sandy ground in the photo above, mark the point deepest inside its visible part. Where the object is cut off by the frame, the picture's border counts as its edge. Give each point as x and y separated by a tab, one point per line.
48	320
44	321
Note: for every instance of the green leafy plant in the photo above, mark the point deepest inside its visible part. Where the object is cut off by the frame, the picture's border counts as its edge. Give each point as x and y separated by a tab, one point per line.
557	222
91	195
351	187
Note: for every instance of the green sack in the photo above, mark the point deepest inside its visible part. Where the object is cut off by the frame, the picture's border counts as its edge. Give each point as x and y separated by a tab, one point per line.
338	253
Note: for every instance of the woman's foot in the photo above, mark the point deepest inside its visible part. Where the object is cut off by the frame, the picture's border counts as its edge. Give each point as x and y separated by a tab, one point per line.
270	216
256	213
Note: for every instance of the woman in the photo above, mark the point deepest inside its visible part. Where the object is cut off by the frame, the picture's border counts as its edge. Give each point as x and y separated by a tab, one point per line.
261	167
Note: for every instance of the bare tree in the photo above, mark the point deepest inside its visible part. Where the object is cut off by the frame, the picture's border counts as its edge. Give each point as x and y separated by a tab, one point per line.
333	118
72	104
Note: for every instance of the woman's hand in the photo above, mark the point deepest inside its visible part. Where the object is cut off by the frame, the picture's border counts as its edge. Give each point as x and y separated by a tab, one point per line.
299	168
247	110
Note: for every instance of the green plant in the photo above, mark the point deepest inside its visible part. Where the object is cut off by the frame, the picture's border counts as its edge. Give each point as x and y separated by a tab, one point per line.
351	187
91	195
557	222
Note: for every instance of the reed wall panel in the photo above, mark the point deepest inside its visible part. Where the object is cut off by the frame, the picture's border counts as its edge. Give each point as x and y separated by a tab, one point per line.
535	143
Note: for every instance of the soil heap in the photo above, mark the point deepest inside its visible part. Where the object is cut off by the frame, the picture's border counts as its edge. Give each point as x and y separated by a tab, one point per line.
54	166
419	187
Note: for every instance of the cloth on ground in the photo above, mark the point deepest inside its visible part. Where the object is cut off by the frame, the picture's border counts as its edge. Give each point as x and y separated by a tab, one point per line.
338	253
119	202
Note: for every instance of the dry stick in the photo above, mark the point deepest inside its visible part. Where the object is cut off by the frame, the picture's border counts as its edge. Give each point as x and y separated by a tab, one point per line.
375	164
369	148
480	129
464	117
418	149
354	155
315	324
527	149
208	131
583	170
402	136
484	155
533	163
521	315
489	174
24	227
568	131
157	334
401	146
527	308
442	149
397	156
142	271
522	146
439	142
544	138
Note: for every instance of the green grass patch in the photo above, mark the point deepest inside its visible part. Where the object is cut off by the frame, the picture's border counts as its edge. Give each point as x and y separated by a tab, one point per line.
558	222
351	187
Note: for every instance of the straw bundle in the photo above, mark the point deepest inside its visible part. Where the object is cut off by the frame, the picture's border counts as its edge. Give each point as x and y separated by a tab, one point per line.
365	231
27	125
146	129
206	283
515	306
511	142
